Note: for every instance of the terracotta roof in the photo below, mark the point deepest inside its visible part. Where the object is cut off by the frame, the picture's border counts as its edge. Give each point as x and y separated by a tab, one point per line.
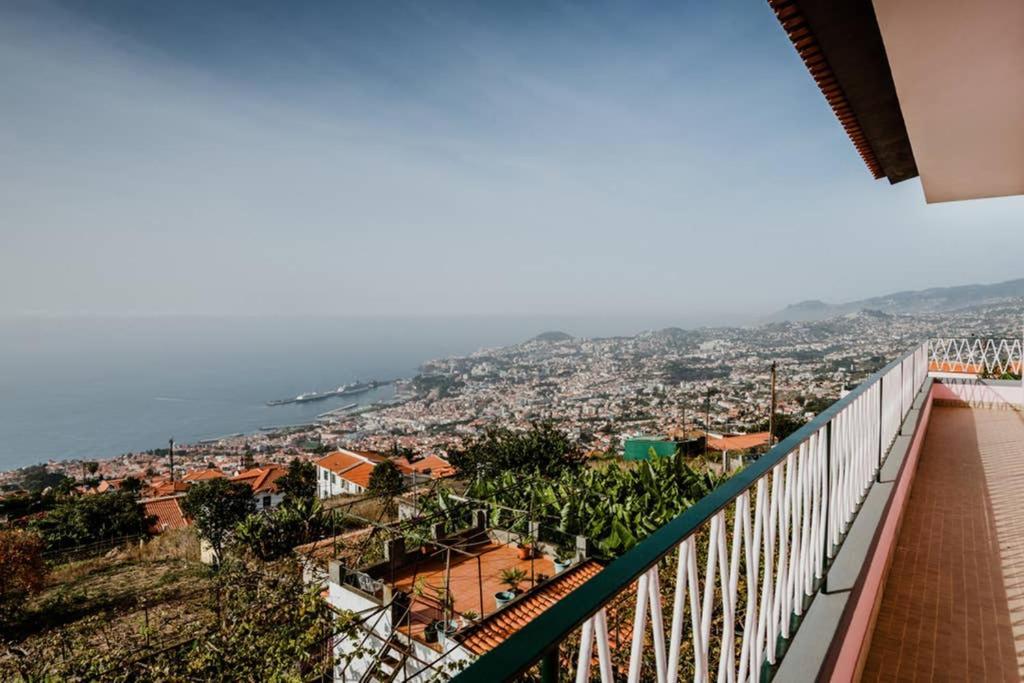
339	461
371	456
738	442
435	465
166	488
795	25
168	513
360	474
493	630
261	478
203	475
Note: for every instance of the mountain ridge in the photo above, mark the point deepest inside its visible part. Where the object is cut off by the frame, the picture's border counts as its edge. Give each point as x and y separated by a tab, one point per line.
931	300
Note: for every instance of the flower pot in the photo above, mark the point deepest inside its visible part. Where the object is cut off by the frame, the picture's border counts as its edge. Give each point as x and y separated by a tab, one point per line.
561	564
445	630
430	633
502	598
524	552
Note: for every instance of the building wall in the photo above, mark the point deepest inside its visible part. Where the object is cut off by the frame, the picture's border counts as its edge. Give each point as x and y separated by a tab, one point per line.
329	484
979	392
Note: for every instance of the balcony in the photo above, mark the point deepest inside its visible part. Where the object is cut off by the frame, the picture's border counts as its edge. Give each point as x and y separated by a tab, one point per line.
880	541
952	606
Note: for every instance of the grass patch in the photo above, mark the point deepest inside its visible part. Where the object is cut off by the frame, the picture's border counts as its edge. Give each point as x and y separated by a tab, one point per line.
145	596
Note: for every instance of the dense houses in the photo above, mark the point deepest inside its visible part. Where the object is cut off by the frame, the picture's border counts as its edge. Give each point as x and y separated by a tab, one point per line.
602	391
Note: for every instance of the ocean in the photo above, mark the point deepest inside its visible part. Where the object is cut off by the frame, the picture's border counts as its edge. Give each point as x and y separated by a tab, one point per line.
78	387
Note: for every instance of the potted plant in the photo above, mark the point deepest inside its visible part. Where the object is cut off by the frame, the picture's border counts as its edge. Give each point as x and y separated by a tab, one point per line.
445	630
430	634
524	551
511	577
468	618
447	626
502	598
563	558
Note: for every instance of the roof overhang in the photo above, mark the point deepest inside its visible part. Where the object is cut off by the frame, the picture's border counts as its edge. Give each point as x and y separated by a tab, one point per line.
959	73
923	87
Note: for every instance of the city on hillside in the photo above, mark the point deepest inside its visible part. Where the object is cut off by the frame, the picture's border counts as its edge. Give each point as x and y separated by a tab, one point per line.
427	342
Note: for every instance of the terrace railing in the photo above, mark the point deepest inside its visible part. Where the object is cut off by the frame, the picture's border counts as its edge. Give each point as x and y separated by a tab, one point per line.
719	591
974	356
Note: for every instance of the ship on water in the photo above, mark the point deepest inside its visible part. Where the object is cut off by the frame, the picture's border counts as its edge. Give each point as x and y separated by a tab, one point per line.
343	390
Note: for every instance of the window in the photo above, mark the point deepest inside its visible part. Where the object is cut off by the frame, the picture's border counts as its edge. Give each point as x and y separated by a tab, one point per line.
325	475
266	502
334	480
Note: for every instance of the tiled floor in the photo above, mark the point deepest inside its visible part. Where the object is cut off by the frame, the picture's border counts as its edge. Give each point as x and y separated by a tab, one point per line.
472	578
953	608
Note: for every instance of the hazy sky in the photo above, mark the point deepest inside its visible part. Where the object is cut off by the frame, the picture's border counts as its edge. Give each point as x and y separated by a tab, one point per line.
432	157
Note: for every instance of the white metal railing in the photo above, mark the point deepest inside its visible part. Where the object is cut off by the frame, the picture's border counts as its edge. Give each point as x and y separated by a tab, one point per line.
974	355
733	574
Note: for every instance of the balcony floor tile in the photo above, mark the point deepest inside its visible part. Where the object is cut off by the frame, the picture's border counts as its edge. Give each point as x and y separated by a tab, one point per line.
953	607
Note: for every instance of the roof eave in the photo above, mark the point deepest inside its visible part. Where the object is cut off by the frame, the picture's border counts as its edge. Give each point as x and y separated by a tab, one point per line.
841	46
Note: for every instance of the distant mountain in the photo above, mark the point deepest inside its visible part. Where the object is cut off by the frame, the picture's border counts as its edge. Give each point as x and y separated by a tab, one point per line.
934	300
553	336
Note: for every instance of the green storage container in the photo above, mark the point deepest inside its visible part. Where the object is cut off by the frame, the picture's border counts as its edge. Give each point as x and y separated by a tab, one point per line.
640	448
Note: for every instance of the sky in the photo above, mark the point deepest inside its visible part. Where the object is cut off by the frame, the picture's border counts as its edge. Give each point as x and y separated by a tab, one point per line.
444	158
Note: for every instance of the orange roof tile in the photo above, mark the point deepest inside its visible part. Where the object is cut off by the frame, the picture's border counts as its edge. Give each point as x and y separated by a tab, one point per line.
166	488
109	485
168	513
435	465
261	478
339	461
359	475
493	630
739	442
203	475
371	456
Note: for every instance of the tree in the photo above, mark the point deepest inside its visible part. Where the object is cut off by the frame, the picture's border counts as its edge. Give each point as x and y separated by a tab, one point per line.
36	478
85	519
92	467
543	449
299	483
22	569
273	627
131	485
785	424
275	533
386	483
217	506
386	480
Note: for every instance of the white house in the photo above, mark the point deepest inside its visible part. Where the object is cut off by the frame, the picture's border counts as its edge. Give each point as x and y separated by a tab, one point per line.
345	472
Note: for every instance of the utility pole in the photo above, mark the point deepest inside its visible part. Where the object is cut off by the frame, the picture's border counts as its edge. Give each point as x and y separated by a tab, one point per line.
771	416
707	421
170	449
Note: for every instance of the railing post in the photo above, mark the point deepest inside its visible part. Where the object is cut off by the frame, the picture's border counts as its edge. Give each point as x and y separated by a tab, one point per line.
881	422
549	666
828	496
